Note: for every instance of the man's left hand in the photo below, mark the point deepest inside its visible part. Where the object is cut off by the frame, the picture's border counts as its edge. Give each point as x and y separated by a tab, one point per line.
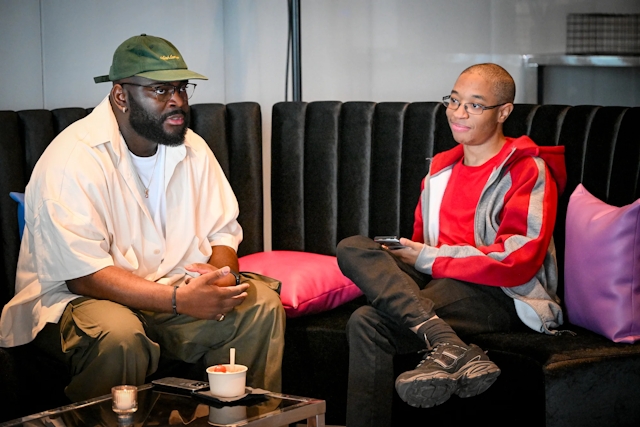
408	254
202	268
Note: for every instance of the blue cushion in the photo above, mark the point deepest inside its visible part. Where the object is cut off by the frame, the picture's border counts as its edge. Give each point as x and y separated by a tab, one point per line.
19	197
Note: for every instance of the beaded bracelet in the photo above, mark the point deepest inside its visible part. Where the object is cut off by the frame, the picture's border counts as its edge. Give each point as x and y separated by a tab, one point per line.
173	299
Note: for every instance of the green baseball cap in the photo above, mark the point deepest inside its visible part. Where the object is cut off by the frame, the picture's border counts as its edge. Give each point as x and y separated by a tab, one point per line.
151	57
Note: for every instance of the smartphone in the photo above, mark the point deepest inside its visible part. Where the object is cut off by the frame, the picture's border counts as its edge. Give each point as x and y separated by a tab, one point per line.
391	242
180	385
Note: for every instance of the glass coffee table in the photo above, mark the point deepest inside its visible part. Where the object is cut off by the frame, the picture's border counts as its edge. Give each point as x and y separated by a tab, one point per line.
157	407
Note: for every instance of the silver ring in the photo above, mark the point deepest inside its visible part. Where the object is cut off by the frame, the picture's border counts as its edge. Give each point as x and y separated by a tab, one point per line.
221	318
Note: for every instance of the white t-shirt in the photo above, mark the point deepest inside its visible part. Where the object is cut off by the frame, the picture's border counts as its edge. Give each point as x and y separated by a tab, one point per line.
150	172
85	211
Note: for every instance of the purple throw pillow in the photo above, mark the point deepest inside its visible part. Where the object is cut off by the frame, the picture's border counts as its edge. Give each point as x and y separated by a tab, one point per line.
602	266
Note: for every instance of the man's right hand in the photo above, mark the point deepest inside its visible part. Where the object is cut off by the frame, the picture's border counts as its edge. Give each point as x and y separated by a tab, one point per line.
203	299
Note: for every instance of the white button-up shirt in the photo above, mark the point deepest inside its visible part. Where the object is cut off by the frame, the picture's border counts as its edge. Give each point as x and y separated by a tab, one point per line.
84	211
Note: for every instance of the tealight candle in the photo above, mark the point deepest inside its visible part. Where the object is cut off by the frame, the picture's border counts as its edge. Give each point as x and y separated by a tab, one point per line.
125	398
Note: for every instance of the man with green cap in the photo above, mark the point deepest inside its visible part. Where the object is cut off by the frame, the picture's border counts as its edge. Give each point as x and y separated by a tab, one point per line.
129	249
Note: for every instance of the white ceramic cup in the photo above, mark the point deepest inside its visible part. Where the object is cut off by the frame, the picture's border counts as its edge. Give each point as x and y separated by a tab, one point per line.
228	384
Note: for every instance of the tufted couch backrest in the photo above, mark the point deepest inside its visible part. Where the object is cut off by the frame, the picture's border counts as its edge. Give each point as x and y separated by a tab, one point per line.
340	169
233	131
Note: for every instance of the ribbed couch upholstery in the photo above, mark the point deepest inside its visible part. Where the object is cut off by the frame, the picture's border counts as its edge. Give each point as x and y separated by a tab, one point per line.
340	169
30	382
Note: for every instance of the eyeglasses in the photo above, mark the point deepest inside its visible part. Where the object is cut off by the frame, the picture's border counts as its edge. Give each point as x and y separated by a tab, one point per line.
165	92
469	107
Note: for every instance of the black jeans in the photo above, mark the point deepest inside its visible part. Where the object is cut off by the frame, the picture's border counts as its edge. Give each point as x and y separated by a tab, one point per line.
401	297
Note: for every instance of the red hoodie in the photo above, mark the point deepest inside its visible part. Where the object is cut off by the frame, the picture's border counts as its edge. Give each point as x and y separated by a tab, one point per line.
514	218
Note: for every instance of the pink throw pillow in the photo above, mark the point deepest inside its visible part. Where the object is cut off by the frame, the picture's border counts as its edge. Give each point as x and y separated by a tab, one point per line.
602	266
311	283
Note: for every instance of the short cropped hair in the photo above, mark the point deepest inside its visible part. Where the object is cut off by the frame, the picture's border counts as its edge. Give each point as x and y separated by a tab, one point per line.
504	88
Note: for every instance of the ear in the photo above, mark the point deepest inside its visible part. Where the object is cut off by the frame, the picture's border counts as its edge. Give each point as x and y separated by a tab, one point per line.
119	97
504	112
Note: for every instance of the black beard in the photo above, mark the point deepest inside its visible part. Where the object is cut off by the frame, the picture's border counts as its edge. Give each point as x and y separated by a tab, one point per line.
152	129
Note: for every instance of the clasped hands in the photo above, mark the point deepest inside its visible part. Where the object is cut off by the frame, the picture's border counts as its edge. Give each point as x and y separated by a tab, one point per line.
211	295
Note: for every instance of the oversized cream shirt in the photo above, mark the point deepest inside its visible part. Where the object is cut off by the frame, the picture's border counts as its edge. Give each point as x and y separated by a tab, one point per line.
84	212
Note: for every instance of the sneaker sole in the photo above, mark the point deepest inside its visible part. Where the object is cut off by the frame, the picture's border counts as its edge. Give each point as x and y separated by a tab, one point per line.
426	391
476	377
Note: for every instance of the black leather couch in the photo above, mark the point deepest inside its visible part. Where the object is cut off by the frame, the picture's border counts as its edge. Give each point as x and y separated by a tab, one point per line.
355	168
340	169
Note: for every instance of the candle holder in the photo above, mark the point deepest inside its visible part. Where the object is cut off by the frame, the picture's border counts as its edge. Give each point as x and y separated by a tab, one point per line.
125	420
125	399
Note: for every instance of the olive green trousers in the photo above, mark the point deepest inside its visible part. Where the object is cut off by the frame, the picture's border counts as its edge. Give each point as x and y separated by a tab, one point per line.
106	344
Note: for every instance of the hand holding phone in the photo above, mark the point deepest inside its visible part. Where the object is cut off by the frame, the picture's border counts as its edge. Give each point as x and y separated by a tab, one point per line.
390	242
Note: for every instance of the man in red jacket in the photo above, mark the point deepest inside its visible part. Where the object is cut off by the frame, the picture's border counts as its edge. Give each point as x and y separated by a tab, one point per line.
481	259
